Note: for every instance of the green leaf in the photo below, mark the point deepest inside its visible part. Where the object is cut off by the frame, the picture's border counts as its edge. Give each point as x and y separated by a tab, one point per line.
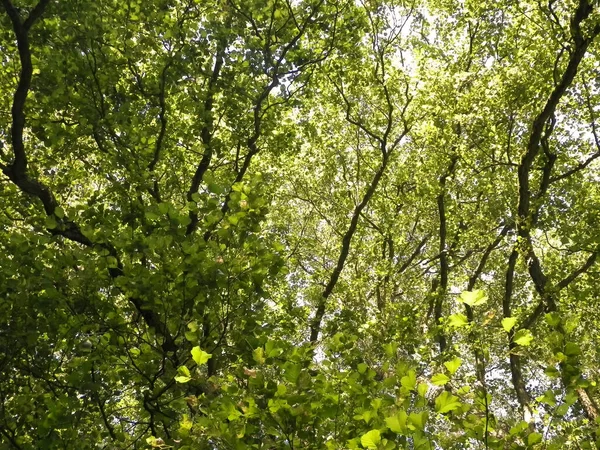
523	337
464	390
473	298
163	207
446	402
548	398
518	428
152	215
215	188
457	320
572	349
272	350
562	410
183	370
393	424
292	371
371	439
534	438
418	420
552	319
390	349
51	223
439	379
185	425
259	355
112	262
182	379
59	212
200	356
397	423
422	389
453	365
190	336
571	324
508	323
409	381
367	416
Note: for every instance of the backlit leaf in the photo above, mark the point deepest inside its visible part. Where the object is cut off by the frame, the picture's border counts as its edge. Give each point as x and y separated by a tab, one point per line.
371	439
200	356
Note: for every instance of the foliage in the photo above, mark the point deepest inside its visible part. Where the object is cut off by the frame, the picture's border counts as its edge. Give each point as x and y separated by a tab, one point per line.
299	224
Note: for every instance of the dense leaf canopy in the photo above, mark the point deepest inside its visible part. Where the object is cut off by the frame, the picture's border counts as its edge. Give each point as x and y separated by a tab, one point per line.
299	224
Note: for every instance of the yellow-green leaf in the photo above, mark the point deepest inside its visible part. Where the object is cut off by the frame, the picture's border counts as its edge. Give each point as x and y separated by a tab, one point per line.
259	355
397	423
371	439
439	379
523	337
473	298
200	356
393	424
508	323
446	402
183	370
453	365
409	381
457	320
534	438
418	420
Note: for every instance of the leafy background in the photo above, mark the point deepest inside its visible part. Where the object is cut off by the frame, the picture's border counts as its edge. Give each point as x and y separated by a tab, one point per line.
299	224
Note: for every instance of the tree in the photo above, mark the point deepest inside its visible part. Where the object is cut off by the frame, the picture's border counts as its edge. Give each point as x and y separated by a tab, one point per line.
299	224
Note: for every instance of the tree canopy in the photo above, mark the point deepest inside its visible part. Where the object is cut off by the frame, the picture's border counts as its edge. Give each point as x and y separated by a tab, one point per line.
299	224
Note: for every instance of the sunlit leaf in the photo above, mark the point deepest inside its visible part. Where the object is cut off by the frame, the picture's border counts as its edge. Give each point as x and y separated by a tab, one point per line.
453	365
446	402
508	323
457	320
371	439
473	298
200	356
439	379
409	381
523	337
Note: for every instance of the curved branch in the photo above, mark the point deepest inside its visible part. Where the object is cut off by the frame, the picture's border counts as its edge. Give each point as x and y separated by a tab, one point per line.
315	326
17	170
206	133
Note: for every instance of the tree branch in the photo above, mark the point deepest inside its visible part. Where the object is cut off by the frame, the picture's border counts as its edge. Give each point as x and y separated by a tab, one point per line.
444	265
17	170
206	132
